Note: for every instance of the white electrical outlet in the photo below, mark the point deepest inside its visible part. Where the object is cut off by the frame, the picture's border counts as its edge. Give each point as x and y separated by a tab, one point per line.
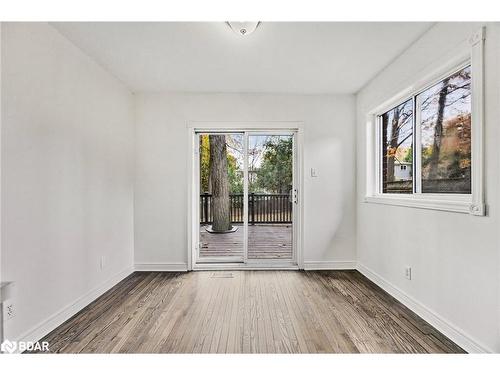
102	264
408	273
8	310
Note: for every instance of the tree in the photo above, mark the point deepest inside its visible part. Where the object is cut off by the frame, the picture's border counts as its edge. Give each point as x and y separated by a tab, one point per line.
234	172
399	133
275	172
409	155
205	164
235	175
445	115
438	131
219	183
393	144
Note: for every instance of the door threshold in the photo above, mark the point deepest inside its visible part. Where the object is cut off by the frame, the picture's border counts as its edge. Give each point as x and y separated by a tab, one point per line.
241	266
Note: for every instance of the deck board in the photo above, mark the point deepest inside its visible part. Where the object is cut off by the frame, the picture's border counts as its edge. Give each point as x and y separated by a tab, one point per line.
265	241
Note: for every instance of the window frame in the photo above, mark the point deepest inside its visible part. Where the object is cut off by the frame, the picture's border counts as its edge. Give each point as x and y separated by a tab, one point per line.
473	203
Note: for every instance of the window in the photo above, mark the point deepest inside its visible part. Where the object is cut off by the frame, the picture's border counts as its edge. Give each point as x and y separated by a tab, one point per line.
427	145
445	140
442	136
397	148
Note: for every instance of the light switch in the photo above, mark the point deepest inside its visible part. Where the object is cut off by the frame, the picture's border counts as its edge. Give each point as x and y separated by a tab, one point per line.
313	172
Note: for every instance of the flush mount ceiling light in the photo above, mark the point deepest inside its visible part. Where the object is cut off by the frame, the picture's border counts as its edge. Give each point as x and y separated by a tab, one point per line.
243	28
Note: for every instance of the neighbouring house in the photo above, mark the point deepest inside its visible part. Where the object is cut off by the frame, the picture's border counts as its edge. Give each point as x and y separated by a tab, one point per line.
402	170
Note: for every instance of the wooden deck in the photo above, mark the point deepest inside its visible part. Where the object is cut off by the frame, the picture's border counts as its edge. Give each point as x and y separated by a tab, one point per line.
265	241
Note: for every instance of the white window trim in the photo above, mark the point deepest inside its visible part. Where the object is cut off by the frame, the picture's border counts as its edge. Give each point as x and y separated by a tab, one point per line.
473	203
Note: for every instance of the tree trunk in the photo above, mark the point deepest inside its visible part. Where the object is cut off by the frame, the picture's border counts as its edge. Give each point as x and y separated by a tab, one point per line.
219	182
393	144
438	132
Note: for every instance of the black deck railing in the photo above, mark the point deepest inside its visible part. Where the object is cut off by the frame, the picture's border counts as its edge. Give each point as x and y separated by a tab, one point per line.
262	208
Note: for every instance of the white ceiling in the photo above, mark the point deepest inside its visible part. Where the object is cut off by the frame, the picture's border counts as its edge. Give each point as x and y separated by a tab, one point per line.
291	57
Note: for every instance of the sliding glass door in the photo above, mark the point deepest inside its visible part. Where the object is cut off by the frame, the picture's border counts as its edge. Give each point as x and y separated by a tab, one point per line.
246	191
270	196
221	198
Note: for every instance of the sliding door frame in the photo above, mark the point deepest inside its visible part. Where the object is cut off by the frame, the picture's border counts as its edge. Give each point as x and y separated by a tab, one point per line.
248	128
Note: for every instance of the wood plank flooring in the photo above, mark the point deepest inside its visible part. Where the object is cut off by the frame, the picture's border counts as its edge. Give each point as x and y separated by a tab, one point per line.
247	312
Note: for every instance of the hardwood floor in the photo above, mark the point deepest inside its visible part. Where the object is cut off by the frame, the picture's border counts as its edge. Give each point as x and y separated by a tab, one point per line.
247	312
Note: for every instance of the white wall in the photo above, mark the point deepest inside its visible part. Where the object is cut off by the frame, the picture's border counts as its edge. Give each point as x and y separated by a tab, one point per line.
1	278
67	176
454	257
161	168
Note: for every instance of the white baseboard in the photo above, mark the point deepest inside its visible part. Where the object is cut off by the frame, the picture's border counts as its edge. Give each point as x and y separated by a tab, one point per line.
441	324
330	265
162	267
55	320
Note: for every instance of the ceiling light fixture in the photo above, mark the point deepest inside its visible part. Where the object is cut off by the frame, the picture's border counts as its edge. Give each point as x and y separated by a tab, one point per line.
243	28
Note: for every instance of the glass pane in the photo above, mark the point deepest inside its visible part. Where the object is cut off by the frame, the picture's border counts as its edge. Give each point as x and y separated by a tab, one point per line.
446	135
221	197
270	165
397	149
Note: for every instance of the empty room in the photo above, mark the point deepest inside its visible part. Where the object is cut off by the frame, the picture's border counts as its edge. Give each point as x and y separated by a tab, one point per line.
264	187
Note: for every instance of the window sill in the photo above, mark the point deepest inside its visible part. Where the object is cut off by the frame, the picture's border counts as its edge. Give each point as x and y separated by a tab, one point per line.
460	204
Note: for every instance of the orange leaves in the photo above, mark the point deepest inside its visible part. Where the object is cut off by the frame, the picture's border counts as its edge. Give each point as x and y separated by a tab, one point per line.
391	151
